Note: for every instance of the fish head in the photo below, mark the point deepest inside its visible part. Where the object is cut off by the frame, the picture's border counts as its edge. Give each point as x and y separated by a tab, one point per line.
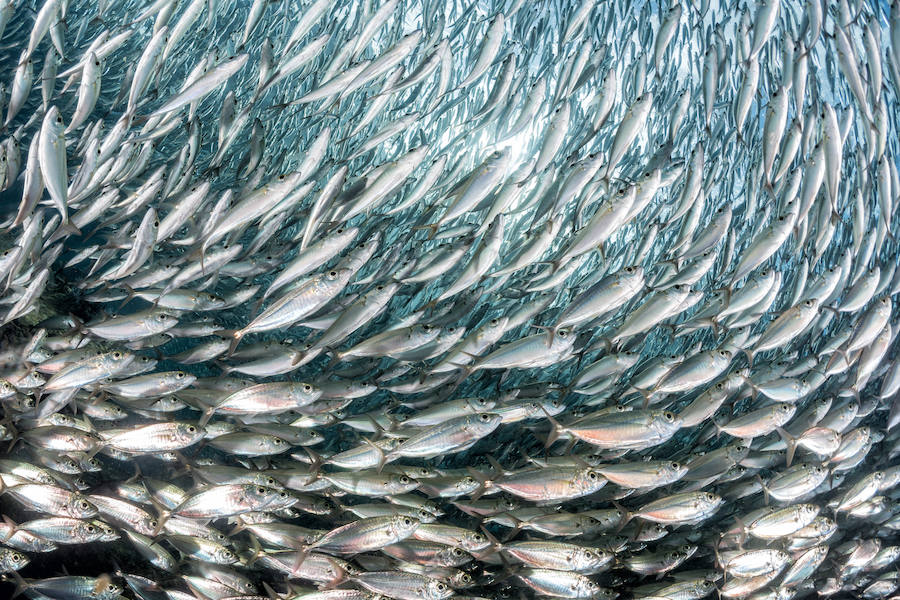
666	421
189	433
589	479
474	541
484	423
13	559
79	507
403	525
107	533
671	471
425	516
711	501
459	579
224	556
398	483
258	496
452	555
784	411
207	301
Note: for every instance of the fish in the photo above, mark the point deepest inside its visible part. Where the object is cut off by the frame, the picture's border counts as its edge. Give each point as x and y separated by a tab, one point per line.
420	300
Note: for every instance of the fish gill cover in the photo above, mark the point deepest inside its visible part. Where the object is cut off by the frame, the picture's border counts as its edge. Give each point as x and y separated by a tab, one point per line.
337	300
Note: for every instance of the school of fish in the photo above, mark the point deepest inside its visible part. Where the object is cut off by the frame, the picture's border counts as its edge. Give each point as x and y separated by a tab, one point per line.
419	300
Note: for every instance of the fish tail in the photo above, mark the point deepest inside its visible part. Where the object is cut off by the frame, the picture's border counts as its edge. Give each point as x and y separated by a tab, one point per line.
207	415
483	483
647	394
235	334
627	516
21	584
340	575
315	465
254	546
431	227
555	431
764	488
749	353
852	389
496	545
13	528
131	295
382	457
298	562
163	515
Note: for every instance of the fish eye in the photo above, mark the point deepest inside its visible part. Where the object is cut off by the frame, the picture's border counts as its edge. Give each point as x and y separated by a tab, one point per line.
668	416
441	587
191	429
179	375
152	523
484	417
117	354
260	490
282	495
407	521
90	529
404	479
563	334
592	476
457	552
84	505
629	270
379	288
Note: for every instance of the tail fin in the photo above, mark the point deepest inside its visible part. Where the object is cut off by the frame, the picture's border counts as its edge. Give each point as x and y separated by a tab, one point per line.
555	430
